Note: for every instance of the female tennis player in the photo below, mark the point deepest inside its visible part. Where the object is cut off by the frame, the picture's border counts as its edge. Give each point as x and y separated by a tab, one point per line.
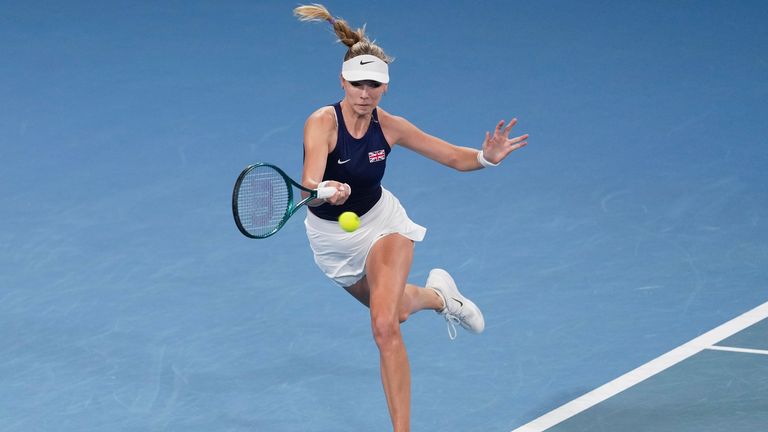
346	145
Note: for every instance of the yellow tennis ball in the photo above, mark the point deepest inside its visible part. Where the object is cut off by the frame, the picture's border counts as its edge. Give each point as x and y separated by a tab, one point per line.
349	221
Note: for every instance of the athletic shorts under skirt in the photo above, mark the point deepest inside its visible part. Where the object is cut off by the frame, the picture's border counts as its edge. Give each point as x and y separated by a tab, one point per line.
341	255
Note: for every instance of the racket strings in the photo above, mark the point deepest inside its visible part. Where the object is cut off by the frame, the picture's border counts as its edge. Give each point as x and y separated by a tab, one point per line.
263	201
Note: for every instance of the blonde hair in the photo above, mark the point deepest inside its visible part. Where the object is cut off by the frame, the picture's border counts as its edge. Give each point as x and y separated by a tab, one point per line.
355	40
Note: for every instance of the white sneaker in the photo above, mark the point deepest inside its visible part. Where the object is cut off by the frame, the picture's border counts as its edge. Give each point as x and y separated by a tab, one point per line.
458	309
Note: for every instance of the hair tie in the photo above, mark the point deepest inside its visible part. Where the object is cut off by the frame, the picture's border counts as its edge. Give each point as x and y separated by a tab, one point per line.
332	21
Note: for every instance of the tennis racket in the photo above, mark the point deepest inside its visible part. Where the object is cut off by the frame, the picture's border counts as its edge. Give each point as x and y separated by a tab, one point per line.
262	201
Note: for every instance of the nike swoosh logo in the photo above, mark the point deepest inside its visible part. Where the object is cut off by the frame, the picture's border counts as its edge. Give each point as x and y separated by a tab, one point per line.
362	63
461	303
341	162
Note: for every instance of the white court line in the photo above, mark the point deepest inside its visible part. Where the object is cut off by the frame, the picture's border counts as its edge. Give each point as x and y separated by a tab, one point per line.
659	364
738	350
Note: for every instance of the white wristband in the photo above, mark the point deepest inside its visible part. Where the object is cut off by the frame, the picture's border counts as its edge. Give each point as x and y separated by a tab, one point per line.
483	161
320	185
324	184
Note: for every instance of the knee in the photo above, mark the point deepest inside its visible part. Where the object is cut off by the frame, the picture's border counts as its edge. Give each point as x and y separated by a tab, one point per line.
386	331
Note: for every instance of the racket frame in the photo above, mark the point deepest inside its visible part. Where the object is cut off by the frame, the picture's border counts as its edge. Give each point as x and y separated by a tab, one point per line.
290	209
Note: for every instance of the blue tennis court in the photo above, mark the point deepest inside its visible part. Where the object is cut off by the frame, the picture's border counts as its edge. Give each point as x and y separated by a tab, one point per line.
715	382
634	224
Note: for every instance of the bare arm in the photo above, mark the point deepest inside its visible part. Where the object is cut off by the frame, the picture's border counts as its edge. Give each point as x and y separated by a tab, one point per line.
495	148
319	137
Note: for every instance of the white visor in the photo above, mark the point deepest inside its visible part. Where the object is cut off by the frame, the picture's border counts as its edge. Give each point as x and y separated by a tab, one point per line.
365	67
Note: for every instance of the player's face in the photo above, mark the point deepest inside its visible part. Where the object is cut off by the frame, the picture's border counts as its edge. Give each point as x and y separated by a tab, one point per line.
363	96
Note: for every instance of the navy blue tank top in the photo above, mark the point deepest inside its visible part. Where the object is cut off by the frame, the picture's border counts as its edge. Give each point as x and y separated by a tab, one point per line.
358	162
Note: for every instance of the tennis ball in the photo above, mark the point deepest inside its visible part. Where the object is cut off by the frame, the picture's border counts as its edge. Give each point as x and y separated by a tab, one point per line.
349	221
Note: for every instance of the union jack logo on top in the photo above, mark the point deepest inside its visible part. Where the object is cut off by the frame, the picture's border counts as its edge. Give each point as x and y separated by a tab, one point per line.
376	156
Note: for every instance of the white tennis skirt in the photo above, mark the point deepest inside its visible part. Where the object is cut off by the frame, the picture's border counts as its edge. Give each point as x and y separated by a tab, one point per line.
341	255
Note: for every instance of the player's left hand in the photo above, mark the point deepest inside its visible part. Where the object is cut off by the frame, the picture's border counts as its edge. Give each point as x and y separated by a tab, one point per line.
498	146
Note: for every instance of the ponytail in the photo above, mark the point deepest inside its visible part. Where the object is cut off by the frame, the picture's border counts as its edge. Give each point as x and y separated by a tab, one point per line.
355	40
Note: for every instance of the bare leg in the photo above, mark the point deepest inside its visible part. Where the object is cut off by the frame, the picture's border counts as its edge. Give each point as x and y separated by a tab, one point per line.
415	298
387	269
391	300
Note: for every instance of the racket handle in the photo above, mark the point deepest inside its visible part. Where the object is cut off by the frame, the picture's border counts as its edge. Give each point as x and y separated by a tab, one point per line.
325	192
